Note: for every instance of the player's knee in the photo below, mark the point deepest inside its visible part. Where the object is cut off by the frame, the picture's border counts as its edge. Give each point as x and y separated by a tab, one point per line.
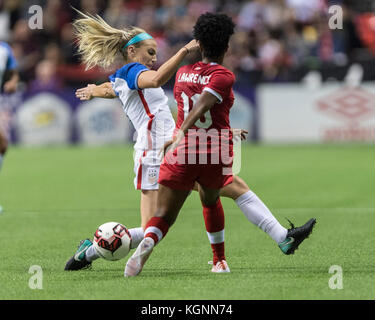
208	197
209	201
239	185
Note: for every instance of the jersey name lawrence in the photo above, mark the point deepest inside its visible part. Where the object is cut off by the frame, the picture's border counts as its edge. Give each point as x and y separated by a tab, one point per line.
140	105
191	82
194	78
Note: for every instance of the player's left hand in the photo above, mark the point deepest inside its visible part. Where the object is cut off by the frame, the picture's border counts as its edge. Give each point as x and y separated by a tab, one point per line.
239	133
85	93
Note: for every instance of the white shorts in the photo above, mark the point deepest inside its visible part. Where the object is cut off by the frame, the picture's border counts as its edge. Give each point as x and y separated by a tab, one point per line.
147	159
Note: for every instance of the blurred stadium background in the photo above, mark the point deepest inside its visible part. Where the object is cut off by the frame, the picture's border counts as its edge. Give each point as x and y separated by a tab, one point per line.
297	79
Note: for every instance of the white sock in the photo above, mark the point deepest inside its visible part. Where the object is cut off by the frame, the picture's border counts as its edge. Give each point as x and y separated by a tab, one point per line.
1	160
137	235
91	254
257	213
216	237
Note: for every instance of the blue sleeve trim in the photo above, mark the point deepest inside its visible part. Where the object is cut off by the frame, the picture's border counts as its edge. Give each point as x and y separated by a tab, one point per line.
136	78
11	62
130	73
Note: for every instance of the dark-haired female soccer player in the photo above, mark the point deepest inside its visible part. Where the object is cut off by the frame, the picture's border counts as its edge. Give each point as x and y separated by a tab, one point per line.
204	95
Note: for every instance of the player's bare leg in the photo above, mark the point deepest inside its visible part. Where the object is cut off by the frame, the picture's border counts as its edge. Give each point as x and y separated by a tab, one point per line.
148	205
169	203
235	189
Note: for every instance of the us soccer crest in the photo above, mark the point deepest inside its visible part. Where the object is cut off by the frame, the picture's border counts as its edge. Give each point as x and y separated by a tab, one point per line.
152	174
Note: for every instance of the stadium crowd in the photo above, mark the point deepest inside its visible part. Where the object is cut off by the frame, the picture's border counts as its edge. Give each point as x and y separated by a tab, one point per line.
273	37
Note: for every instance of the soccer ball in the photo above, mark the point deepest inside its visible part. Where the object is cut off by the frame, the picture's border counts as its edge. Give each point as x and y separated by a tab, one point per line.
112	241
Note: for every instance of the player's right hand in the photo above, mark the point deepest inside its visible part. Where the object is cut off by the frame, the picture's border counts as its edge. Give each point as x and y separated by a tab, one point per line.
85	93
171	145
165	149
192	46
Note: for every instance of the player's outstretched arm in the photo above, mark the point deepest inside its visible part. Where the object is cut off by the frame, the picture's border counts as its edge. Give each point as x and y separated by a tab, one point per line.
104	90
156	79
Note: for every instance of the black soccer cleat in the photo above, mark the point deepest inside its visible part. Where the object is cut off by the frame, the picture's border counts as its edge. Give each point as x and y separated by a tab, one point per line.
295	236
78	261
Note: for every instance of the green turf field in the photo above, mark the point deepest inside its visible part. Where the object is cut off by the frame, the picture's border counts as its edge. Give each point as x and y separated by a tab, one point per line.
54	197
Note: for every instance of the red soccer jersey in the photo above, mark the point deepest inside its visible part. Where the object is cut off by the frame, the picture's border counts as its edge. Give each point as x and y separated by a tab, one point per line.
191	81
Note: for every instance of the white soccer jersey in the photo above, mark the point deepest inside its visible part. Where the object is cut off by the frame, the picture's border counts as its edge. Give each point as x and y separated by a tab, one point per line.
140	105
148	111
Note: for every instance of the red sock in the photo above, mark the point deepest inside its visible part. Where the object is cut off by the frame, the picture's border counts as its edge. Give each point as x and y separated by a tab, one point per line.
156	229
214	221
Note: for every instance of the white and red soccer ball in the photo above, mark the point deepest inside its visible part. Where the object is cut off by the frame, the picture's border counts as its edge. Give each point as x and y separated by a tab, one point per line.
112	241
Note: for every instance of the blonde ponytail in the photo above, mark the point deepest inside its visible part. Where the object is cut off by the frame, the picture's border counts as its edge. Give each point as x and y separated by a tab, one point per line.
99	44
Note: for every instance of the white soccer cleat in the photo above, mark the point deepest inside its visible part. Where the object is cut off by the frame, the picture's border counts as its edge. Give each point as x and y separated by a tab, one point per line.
220	267
138	259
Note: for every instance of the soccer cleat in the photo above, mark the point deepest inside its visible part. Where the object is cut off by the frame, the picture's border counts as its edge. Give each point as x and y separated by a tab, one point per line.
220	267
138	259
78	261
295	236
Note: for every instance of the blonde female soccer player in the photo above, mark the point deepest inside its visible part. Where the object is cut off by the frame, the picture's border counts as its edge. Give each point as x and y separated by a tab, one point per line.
146	105
144	102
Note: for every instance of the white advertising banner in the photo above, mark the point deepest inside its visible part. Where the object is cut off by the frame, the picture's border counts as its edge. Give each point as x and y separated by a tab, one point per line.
44	119
102	121
332	112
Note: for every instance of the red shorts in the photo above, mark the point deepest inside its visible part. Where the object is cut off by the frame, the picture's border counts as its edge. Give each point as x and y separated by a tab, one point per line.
183	176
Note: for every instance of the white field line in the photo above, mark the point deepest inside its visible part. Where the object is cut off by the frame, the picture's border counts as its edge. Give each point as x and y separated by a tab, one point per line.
343	209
